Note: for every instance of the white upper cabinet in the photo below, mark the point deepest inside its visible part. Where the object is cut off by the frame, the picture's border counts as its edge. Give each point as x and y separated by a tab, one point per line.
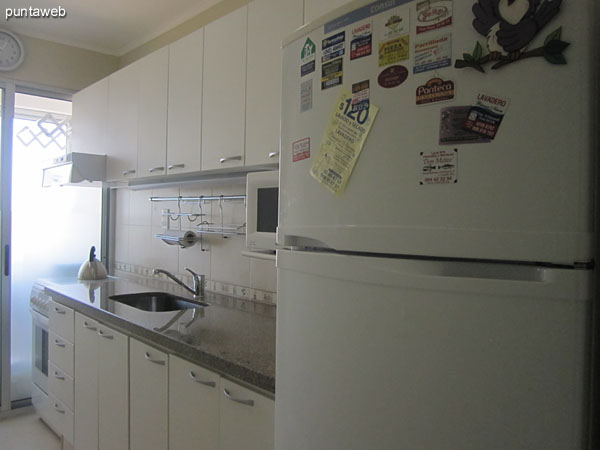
263	89
123	123
152	113
313	9
224	91
185	103
90	115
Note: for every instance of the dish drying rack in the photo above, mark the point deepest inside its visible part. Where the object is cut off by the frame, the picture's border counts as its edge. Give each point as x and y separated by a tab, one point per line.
204	227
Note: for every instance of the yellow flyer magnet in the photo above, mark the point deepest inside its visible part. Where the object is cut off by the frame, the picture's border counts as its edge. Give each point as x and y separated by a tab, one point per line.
342	143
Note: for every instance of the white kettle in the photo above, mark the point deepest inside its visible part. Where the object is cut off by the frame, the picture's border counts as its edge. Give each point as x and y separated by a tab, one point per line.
92	269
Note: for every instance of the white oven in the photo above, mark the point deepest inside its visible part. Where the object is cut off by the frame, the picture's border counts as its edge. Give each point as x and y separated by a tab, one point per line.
39	306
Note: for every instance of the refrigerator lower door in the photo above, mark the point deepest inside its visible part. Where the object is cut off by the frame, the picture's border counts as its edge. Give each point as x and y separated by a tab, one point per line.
380	354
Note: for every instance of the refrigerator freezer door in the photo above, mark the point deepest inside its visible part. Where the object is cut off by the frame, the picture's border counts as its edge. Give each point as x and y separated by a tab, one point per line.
524	196
384	354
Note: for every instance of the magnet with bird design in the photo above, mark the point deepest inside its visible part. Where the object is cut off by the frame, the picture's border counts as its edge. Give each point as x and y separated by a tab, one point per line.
509	27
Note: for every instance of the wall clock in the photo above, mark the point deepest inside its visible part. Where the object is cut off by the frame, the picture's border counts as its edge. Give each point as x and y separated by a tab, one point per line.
11	51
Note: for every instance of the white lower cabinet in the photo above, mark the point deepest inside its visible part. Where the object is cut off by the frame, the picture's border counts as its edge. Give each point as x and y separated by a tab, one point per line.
86	383
149	402
101	386
113	389
193	406
247	419
60	371
129	395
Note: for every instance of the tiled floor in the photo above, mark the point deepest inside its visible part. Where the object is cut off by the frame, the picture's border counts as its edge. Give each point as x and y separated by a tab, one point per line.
25	431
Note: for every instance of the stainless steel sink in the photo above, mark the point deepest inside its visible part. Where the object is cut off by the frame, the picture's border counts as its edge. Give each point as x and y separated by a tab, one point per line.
157	301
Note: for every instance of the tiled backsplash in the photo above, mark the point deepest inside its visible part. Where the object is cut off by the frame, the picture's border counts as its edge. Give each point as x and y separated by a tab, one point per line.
136	250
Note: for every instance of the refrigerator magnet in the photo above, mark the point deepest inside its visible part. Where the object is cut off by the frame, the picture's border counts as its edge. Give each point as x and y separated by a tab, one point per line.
452	119
306	95
392	76
433	15
308	55
485	116
332	73
394	24
301	149
439	167
435	90
509	28
362	41
434	53
360	96
333	47
393	51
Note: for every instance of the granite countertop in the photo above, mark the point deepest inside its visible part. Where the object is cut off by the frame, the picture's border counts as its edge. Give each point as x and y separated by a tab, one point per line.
233	337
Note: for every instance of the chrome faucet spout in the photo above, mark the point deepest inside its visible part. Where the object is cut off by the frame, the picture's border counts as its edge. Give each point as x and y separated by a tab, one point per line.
198	287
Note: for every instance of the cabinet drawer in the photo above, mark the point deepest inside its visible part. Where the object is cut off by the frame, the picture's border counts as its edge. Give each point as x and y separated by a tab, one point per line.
61	353
62	321
60	385
61	418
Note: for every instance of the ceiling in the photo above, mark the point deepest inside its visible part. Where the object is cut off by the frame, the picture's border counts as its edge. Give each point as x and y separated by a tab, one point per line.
113	27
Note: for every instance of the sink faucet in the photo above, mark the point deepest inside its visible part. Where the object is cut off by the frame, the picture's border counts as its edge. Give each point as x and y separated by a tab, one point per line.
198	287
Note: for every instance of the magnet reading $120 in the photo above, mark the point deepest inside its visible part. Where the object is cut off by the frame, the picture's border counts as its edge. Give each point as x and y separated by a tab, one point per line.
342	143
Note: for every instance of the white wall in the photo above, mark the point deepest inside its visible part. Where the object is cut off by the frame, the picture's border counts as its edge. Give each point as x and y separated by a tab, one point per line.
62	66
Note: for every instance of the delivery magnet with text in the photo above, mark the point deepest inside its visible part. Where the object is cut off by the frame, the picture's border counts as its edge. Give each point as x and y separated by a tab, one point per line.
435	90
392	76
486	115
301	149
361	44
439	167
433	14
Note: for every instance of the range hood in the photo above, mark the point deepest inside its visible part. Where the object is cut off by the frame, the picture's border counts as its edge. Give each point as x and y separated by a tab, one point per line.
73	168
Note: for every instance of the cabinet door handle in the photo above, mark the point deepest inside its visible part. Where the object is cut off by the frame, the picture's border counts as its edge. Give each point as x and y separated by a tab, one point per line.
205	383
57	409
156	169
59	311
59	344
273	154
88	326
105	336
58	376
238	400
155	361
176	166
128	172
230	158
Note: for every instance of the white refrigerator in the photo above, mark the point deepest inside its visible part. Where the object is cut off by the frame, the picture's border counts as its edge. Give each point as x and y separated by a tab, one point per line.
436	283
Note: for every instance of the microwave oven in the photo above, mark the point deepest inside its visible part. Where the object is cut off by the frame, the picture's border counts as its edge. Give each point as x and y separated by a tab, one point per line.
262	209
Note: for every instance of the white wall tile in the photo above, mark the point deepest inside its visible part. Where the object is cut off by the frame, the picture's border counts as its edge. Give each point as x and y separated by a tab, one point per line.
163	256
122	197
196	259
227	262
140	245
140	208
121	243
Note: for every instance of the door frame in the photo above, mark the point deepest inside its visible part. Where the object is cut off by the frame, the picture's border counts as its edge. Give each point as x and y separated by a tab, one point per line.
10	88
